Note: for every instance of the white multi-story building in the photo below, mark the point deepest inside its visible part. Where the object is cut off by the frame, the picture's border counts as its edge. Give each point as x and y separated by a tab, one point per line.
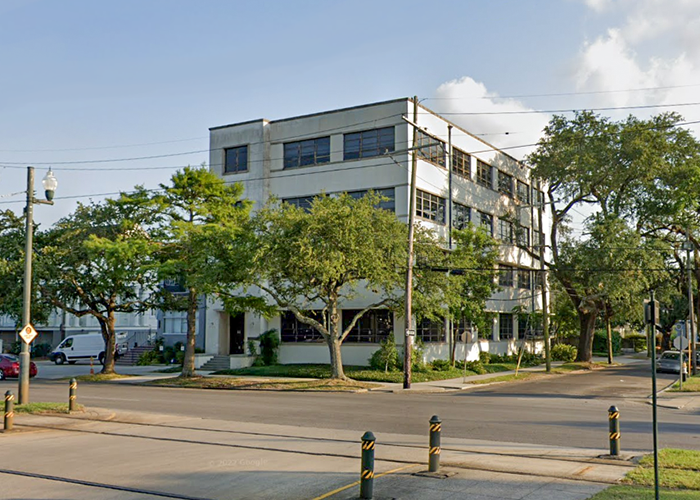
460	179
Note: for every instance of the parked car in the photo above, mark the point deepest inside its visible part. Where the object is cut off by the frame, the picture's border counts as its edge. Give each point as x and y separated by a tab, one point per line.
9	366
669	362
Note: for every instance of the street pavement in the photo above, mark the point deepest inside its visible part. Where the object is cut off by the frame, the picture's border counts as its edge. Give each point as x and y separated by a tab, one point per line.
105	454
47	370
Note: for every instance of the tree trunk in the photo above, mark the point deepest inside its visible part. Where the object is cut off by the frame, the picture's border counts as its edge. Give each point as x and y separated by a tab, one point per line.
610	343
188	361
333	341
585	343
110	343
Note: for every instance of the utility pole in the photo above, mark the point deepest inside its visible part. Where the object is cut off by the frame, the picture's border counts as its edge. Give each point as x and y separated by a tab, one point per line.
690	328
545	309
410	327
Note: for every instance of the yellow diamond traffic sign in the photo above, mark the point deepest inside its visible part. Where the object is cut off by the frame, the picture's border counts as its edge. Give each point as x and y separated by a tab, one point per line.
28	334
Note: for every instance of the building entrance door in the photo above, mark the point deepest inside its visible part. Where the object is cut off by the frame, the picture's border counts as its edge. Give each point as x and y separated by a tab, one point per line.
236	341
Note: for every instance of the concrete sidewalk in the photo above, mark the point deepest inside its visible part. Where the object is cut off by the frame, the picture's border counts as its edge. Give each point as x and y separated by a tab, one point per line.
91	454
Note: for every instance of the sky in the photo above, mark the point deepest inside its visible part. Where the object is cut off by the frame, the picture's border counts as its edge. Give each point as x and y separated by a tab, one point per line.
113	94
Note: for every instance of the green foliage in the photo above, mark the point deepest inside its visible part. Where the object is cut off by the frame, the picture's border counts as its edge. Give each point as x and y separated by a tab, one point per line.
600	342
41	350
15	347
563	352
473	366
149	358
528	359
386	357
639	341
440	365
269	347
485	357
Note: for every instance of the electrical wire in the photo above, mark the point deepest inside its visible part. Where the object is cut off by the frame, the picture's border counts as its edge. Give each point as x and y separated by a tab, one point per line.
557	111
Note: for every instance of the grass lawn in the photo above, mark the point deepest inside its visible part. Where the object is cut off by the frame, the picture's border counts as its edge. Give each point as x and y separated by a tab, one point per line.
44	408
171	369
692	384
679	478
358	372
262	385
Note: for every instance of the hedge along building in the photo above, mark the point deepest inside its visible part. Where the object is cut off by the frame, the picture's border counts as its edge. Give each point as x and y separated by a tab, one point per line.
369	147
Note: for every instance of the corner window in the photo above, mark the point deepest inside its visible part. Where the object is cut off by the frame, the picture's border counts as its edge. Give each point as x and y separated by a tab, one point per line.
430	207
369	143
484	175
505	275
430	149
309	152
236	159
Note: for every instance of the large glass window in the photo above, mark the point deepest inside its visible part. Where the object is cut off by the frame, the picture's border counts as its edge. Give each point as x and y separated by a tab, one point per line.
524	279
461	215
484	174
523	192
431	331
293	330
505	326
462	330
461	163
373	327
429	206
309	152
430	149
486	221
300	201
388	204
236	159
505	275
505	183
368	143
523	327
523	236
505	231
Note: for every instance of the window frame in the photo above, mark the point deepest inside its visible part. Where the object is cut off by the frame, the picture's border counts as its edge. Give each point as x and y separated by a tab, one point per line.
507	228
506	275
238	170
301	333
368	136
524	278
461	163
436	150
431	332
505	183
522	191
505	328
423	197
464	221
486	220
375	332
317	159
484	174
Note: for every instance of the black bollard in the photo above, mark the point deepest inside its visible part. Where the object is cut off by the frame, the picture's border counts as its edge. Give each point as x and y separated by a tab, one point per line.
434	453
8	422
614	418
367	471
72	403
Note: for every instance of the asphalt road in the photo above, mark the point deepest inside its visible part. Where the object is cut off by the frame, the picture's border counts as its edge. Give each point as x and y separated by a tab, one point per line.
569	410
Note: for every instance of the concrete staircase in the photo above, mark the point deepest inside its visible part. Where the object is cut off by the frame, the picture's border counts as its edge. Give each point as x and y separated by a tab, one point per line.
218	362
133	354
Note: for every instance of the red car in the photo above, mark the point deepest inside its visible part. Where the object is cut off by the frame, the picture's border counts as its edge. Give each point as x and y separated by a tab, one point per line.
9	366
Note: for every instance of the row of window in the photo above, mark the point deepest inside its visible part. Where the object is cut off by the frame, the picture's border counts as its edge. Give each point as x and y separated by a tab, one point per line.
389	202
317	151
510	276
525	329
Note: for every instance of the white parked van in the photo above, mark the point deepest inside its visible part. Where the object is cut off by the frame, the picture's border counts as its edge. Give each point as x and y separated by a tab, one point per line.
75	347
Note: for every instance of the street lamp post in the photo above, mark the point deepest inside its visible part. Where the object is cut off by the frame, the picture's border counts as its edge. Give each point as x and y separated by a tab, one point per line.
50	184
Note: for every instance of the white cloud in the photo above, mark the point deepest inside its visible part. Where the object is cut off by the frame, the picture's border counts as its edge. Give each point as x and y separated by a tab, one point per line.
466	95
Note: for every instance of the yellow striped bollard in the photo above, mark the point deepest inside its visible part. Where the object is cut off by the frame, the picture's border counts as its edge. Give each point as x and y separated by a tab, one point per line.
72	396
434	452
614	419
367	469
8	422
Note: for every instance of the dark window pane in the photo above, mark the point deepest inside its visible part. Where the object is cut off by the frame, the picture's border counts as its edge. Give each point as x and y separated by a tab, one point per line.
236	159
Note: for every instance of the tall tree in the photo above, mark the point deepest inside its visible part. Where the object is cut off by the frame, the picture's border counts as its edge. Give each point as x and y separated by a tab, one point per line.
194	209
614	168
97	262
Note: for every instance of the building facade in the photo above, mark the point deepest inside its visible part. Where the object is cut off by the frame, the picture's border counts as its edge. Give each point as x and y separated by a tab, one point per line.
460	179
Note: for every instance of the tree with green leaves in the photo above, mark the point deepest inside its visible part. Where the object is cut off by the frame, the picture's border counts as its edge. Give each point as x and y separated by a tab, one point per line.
615	168
97	262
196	212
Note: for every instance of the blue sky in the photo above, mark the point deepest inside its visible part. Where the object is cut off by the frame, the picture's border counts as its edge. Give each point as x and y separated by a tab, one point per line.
85	80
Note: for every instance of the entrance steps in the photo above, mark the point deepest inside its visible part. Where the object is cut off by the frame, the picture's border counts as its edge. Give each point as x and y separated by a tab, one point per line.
218	362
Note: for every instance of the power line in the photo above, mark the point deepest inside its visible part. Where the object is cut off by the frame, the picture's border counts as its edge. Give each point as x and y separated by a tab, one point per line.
120	146
555	111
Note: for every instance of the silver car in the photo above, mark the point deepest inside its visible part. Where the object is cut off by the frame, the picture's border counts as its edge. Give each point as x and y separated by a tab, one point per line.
669	362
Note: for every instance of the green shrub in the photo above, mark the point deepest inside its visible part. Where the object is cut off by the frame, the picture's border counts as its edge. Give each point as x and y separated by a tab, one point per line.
485	357
148	358
564	352
639	341
600	342
269	347
440	365
41	350
15	347
473	366
386	357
